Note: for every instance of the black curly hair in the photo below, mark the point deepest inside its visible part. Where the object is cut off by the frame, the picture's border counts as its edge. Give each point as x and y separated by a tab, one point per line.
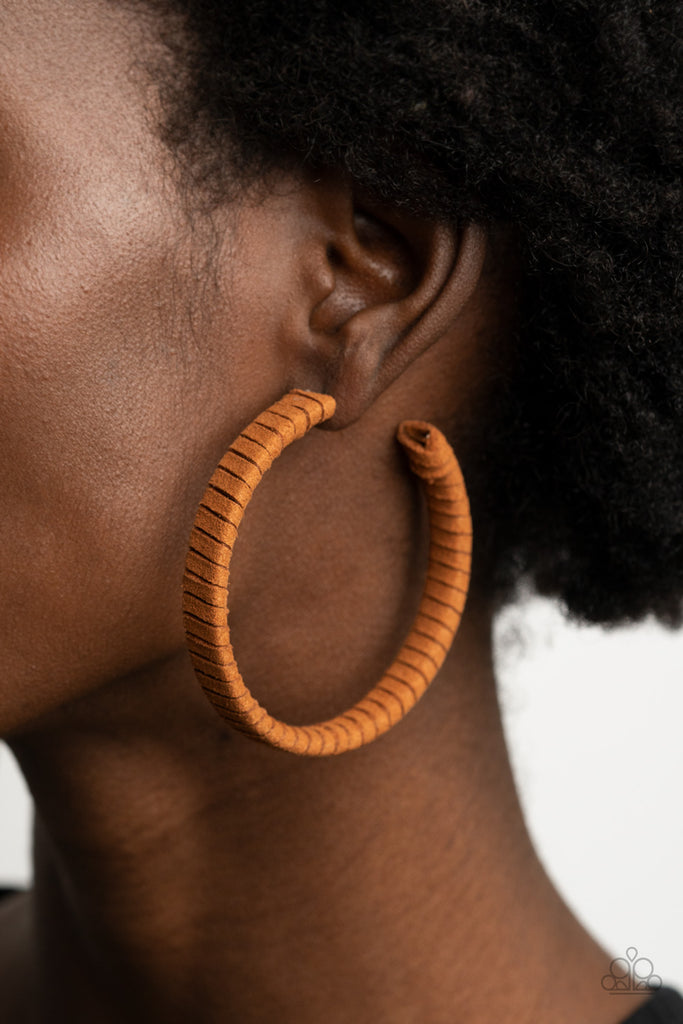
561	118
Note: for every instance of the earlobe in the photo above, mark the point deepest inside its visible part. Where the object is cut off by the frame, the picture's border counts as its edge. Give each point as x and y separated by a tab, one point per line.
382	336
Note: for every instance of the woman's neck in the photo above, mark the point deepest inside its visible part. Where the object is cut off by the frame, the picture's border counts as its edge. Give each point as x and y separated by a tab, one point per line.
187	873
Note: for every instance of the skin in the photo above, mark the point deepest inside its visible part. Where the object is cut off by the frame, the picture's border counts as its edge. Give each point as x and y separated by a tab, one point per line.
184	872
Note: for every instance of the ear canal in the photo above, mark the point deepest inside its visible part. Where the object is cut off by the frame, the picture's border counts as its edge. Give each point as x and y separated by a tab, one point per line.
380	341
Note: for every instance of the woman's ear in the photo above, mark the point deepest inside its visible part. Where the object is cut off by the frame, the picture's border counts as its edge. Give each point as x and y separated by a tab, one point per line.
395	285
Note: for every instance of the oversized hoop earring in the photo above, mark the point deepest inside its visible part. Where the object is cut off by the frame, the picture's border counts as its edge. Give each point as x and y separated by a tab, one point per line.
205	585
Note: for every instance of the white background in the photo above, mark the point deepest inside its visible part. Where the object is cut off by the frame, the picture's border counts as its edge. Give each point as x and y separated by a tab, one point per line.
594	721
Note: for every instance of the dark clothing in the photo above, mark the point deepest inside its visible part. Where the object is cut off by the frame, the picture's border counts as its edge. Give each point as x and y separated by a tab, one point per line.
664	1007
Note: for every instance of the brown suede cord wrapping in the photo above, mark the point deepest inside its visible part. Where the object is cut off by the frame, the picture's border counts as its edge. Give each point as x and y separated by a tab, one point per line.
205	598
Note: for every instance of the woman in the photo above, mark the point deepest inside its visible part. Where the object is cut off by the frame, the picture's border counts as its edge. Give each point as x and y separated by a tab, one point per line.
464	214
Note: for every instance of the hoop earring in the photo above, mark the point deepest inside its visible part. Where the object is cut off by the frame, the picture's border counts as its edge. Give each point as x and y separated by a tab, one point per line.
205	585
